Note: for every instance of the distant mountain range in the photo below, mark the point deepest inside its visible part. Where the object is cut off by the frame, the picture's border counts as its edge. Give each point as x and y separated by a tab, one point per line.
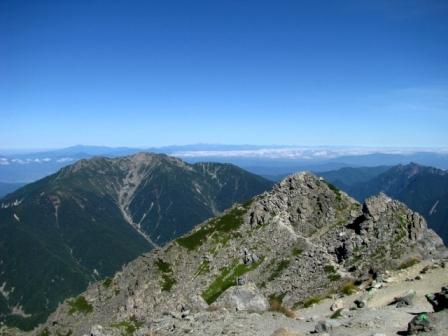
423	189
86	221
271	161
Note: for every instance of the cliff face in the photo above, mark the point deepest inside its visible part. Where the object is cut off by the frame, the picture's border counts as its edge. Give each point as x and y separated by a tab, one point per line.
302	240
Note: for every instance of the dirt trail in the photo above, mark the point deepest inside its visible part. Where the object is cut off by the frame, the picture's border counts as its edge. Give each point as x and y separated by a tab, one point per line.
378	316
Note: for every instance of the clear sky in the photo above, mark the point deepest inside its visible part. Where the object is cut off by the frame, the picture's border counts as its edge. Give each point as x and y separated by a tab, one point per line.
151	73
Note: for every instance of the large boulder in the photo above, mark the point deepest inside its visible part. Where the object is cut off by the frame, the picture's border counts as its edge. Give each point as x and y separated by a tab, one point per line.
439	301
246	297
285	332
405	300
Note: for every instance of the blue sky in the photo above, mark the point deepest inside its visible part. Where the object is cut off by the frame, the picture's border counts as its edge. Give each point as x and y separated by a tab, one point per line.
152	73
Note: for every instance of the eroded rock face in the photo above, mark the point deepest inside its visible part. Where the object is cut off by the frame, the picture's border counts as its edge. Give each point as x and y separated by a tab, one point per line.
302	240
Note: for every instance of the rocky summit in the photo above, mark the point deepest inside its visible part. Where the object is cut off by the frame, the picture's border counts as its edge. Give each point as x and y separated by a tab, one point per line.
85	222
257	267
423	189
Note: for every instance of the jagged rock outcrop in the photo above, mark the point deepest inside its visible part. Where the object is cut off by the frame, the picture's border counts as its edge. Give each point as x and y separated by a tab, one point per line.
422	189
309	241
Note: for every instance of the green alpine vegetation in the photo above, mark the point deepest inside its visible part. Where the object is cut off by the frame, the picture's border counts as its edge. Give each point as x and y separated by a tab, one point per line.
217	228
167	275
80	305
226	279
283	264
129	326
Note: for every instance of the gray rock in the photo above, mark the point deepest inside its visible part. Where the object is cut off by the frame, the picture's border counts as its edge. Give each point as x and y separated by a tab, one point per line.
246	297
376	206
360	303
284	332
326	326
420	323
196	302
97	330
240	281
439	301
337	305
405	300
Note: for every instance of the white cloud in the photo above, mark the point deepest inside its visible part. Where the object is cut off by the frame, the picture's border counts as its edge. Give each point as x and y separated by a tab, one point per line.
65	159
305	153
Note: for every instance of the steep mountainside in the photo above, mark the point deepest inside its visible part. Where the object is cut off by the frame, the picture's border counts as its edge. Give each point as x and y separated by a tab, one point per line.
302	241
349	176
423	189
6	188
86	221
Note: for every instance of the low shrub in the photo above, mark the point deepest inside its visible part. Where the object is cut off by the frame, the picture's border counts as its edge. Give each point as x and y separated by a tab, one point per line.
312	300
276	305
128	326
349	288
107	282
80	305
409	263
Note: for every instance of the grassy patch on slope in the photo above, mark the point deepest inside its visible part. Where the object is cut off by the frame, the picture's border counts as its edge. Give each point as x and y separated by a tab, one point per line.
312	300
128	327
334	189
349	288
408	263
221	225
80	305
283	264
331	273
227	279
168	280
107	282
296	251
203	268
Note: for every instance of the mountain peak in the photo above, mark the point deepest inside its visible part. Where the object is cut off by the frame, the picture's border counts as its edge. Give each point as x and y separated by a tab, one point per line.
301	180
142	158
306	201
412	169
148	158
94	162
309	184
145	156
